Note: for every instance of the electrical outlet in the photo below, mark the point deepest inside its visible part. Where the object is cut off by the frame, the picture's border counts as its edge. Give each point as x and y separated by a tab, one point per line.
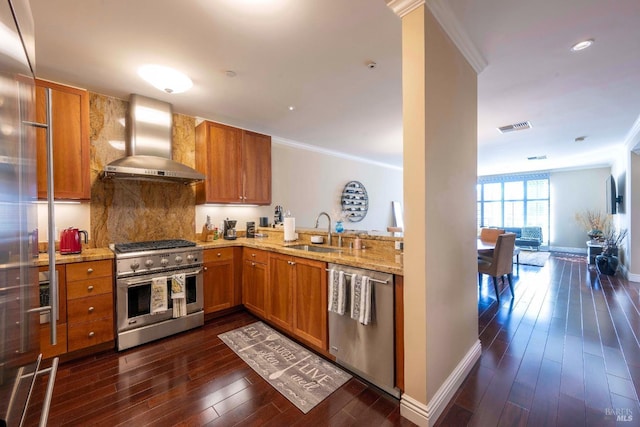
399	245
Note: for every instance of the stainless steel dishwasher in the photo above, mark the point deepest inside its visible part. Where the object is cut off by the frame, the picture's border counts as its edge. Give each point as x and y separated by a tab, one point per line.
367	350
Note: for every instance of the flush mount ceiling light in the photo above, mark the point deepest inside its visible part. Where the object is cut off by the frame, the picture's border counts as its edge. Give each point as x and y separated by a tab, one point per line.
580	138
582	45
164	78
291	107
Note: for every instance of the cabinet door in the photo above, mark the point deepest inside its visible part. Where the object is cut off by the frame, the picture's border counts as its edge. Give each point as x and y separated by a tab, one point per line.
256	158
254	287
70	124
218	280
219	149
280	291
310	302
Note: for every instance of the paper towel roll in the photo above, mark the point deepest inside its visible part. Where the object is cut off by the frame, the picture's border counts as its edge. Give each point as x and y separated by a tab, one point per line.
289	229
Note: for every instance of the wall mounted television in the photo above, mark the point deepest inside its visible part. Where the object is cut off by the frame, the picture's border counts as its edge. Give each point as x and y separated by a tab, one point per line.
612	196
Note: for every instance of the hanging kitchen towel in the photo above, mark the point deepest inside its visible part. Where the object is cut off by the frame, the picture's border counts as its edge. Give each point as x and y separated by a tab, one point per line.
337	297
356	290
366	301
159	301
178	295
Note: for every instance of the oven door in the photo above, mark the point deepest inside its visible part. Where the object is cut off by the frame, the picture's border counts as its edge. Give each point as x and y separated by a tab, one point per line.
133	298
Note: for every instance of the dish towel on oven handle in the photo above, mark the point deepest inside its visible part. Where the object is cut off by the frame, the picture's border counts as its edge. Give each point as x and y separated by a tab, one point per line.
361	299
159	302
337	292
178	295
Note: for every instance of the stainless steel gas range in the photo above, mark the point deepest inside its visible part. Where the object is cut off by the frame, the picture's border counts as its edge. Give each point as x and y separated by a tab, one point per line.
144	304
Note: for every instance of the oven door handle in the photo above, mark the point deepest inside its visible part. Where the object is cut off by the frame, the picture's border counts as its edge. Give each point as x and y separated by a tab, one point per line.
139	281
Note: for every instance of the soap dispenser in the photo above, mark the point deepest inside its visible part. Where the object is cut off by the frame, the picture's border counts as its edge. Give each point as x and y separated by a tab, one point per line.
207	230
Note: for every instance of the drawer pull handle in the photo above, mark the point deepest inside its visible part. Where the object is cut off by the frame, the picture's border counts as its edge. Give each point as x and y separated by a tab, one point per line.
89	270
92	334
206	269
90	288
91	309
219	254
253	255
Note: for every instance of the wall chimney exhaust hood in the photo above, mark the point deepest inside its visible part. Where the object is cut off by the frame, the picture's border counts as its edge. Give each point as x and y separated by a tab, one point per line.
148	146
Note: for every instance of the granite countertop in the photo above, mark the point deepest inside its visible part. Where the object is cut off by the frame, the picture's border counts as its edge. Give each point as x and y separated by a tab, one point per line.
361	258
86	255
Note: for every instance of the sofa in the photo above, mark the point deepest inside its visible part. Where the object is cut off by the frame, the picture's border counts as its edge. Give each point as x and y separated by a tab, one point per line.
527	237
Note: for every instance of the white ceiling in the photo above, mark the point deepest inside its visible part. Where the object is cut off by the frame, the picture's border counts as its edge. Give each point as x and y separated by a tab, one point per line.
314	55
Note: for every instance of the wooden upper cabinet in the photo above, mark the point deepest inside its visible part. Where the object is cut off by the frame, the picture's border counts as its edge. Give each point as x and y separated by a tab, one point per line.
237	164
70	126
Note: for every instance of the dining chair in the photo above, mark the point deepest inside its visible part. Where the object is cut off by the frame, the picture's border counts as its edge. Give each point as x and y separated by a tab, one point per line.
490	234
500	263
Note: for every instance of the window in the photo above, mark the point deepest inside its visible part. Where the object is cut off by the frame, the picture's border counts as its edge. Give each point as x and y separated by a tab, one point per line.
514	201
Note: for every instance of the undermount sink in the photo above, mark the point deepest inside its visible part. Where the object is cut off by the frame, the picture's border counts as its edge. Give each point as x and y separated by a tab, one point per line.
310	248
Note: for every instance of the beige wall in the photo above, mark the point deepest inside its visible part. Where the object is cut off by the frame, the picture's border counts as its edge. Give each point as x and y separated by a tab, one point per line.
572	192
440	155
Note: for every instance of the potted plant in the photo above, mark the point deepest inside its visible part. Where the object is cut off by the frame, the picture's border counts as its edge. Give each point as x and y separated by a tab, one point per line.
594	222
607	262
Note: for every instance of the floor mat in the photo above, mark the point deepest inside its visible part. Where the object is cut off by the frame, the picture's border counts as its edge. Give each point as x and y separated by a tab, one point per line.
298	374
535	258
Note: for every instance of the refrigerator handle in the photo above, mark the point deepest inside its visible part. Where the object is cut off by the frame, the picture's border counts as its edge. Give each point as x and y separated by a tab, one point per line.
53	278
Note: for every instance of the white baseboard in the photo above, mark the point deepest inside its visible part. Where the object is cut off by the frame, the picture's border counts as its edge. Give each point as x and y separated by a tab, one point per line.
426	415
582	251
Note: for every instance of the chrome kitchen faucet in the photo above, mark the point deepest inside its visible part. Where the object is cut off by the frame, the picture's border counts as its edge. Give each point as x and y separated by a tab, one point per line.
328	228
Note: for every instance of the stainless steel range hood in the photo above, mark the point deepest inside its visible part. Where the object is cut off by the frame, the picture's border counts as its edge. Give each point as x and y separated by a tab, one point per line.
148	146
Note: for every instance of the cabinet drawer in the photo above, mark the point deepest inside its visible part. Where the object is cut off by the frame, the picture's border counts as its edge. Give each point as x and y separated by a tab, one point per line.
89	270
87	334
255	255
220	254
85	288
90	308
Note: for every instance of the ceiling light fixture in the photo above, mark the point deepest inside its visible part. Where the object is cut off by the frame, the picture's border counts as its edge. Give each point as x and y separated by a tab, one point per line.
514	127
543	157
291	107
580	139
164	78
582	45
230	73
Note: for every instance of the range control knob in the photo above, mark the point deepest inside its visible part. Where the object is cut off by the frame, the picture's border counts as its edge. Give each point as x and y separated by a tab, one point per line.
135	265
178	259
190	258
164	262
148	263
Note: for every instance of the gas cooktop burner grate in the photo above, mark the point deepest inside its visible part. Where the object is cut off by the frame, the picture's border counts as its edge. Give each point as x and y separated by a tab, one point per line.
153	245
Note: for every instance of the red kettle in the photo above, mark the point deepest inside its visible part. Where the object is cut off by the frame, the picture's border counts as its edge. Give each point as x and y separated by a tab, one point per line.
70	240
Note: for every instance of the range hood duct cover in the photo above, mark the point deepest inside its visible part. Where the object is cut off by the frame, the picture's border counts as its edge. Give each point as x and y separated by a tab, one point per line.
148	146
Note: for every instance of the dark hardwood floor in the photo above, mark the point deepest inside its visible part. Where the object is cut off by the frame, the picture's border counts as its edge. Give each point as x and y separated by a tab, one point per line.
564	352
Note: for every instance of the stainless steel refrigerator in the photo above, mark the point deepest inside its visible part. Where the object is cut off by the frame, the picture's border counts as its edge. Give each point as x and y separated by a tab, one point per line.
19	289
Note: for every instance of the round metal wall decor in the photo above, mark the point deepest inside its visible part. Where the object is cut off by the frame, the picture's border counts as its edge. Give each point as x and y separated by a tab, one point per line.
355	201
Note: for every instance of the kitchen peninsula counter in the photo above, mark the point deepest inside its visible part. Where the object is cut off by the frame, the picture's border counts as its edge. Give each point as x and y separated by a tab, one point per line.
362	258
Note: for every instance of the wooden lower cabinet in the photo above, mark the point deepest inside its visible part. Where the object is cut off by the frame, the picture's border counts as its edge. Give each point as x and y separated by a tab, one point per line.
89	304
219	278
254	280
297	298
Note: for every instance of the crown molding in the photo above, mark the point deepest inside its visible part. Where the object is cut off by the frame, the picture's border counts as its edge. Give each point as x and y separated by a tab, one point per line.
632	140
403	7
450	24
445	17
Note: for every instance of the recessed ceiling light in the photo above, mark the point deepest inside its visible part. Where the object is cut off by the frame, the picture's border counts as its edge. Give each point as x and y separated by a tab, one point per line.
164	78
543	157
582	45
291	107
230	73
580	138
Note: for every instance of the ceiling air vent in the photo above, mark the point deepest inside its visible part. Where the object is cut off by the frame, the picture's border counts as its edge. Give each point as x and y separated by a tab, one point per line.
514	127
537	158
